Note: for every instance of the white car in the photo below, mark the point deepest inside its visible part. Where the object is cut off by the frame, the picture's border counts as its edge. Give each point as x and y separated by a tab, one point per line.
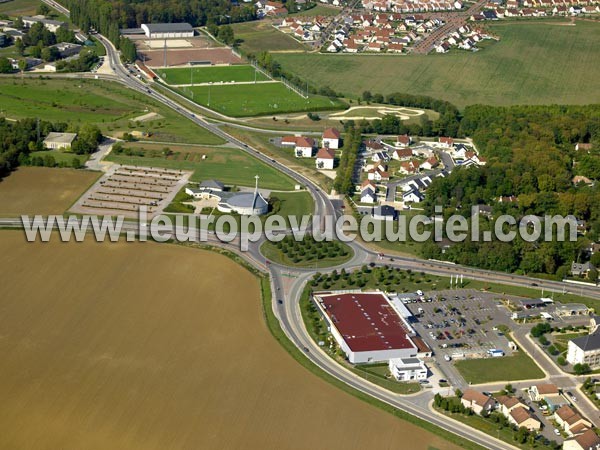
447	357
557	432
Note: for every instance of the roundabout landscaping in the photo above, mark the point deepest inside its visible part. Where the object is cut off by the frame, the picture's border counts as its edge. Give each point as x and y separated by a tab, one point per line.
307	252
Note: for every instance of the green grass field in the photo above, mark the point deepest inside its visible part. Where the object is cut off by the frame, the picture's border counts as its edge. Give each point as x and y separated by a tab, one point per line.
108	105
231	166
16	8
508	368
257	99
533	63
213	74
259	35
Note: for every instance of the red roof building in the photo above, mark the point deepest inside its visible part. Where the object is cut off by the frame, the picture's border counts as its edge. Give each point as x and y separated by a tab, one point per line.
366	326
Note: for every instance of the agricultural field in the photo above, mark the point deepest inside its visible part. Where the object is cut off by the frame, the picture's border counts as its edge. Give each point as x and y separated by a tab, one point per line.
112	107
228	165
14	8
533	63
508	368
213	74
260	36
98	369
42	190
244	100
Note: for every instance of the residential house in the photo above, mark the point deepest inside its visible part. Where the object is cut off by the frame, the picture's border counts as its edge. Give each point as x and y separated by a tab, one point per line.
331	138
521	417
477	401
409	167
373	146
429	164
378	174
380	157
588	440
446	142
304	147
581	270
383	212
413	196
506	404
325	158
403	141
571	421
401	154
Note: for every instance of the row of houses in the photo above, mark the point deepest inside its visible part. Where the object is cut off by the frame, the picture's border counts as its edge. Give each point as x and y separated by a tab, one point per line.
463	38
364	32
306	147
513	408
412	6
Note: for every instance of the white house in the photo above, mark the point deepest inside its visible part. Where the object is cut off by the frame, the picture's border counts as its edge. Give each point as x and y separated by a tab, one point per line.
331	138
406	369
412	196
325	158
304	147
403	141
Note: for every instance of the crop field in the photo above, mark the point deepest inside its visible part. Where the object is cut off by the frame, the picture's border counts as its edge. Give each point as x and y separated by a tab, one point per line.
259	35
16	8
41	190
100	349
213	74
108	105
533	63
257	99
228	165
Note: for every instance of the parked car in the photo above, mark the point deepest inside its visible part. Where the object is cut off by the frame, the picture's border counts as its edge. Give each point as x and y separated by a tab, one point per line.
557	432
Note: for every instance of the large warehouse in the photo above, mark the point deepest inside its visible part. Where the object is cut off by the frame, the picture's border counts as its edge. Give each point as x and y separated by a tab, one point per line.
366	326
167	30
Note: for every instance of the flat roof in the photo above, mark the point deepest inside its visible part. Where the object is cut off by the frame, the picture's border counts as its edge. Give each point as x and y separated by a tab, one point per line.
366	321
61	138
168	27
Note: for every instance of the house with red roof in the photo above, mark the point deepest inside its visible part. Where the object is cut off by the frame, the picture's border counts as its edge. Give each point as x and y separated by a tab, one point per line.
331	138
325	158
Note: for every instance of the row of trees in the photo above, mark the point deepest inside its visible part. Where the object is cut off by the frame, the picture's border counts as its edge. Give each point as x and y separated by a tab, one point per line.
344	179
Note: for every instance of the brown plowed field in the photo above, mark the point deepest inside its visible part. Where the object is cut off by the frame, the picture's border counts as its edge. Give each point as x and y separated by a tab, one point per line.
155	346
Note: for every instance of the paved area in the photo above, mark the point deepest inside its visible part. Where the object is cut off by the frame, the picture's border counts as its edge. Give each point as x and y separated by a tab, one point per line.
124	189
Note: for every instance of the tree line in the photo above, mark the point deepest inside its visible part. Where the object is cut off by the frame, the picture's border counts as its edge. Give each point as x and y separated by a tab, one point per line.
344	179
21	138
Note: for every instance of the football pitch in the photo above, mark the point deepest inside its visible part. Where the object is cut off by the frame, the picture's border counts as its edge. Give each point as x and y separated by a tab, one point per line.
212	74
243	100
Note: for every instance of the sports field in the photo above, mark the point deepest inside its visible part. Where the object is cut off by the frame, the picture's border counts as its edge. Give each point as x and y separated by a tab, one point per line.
214	74
533	63
244	100
106	104
228	165
156	346
41	190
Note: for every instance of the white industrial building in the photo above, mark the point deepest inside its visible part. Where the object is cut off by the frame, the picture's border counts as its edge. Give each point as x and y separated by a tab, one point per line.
56	141
167	30
407	369
366	326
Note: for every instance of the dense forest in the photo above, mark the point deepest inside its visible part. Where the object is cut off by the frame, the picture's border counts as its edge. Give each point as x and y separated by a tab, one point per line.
532	160
19	139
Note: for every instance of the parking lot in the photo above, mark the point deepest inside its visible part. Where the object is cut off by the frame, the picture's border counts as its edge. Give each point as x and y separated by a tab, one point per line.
461	323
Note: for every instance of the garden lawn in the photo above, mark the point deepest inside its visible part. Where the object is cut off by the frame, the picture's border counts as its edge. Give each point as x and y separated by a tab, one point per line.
507	368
